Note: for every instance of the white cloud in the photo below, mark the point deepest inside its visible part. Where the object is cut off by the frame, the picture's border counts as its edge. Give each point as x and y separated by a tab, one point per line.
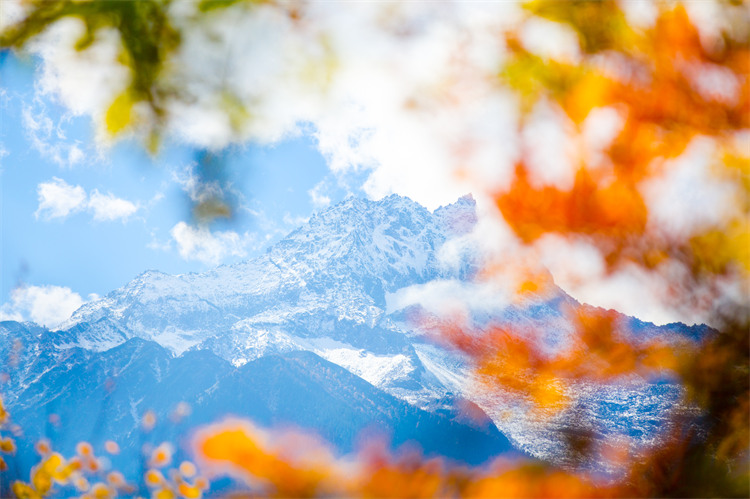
3	153
58	199
318	198
265	229
197	188
108	207
45	305
451	297
579	268
156	244
211	248
48	137
294	221
410	109
75	154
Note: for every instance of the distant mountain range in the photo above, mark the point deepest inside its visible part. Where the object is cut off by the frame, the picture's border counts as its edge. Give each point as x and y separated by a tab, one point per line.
308	334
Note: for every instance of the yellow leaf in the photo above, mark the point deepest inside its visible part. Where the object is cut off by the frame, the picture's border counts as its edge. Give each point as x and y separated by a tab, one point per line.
119	113
153	478
25	491
164	494
41	481
101	491
7	445
48	470
235	110
717	251
3	412
188	491
590	92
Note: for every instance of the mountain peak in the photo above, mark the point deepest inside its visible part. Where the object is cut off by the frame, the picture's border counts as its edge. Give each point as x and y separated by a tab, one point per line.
358	204
460	217
384	242
345	259
467	199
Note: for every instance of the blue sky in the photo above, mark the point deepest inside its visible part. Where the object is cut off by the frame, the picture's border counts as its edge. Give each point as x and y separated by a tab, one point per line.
419	115
126	204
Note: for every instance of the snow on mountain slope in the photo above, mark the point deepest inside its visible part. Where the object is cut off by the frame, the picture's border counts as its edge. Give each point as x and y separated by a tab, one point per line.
327	280
341	263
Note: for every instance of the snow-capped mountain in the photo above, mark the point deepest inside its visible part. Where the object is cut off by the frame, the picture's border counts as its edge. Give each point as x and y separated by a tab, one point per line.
341	263
322	288
312	321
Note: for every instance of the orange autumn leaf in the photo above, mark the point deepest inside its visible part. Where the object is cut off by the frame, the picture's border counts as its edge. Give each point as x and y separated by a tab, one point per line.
600	349
592	90
7	445
3	413
375	472
153	478
614	210
417	480
237	445
161	455
533	481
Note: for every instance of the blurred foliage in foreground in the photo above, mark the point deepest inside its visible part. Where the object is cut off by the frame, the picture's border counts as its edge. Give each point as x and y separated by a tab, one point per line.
650	77
147	39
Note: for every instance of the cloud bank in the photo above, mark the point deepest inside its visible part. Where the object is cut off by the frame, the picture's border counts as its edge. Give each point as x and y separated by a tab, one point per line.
58	199
45	305
210	248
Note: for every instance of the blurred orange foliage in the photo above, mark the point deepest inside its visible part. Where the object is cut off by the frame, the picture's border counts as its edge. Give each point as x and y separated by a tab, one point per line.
614	211
240	448
600	350
649	77
237	444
